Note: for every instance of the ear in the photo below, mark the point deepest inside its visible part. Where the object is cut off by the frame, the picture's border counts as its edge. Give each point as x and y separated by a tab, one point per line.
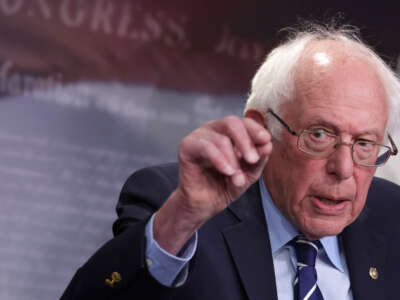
257	116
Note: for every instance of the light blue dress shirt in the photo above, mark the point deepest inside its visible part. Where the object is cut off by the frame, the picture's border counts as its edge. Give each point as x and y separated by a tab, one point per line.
333	275
168	269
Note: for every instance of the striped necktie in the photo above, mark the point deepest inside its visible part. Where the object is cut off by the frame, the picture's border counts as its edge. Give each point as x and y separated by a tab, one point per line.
305	283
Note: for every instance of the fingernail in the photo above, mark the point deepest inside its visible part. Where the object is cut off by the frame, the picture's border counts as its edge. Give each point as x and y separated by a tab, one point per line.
238	179
262	135
252	156
229	170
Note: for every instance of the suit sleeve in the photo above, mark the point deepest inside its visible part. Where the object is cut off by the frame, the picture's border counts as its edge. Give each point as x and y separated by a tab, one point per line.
141	196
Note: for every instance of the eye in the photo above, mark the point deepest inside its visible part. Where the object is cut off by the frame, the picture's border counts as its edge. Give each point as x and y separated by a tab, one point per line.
366	145
317	141
367	150
319	134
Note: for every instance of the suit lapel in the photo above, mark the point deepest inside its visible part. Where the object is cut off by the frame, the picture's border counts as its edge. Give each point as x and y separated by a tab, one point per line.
249	245
365	249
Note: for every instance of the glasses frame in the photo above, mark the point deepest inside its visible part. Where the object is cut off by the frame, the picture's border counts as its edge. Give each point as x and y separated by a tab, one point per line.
393	150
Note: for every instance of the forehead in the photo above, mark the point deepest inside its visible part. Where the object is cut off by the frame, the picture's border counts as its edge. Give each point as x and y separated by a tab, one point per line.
337	85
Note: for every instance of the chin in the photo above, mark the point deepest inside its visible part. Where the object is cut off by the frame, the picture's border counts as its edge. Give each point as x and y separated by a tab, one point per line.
319	229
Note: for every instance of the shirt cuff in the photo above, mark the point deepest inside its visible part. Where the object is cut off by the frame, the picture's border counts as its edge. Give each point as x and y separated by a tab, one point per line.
168	269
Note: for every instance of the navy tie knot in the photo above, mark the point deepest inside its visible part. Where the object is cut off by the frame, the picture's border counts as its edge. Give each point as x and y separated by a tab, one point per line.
306	251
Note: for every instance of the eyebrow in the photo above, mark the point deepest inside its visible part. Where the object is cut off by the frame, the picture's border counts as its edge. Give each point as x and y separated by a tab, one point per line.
324	122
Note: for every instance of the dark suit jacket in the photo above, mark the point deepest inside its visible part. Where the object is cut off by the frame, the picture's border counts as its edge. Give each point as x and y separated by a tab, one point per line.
233	260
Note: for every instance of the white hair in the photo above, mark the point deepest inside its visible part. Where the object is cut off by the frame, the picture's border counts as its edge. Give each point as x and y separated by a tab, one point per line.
273	84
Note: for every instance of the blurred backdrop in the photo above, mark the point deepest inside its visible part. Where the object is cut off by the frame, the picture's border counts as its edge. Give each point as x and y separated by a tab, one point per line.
91	90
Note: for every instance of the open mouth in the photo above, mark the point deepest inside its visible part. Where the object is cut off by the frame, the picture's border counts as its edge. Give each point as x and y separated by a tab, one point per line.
330	205
329	202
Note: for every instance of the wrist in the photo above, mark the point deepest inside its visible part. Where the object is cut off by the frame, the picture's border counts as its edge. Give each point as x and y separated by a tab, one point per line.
174	224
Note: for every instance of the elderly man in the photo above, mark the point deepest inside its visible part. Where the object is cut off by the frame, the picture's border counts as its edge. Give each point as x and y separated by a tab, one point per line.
280	204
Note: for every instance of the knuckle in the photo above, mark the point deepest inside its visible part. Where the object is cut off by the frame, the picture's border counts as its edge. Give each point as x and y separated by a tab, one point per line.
250	123
235	128
183	147
231	120
185	142
187	145
224	142
207	124
204	146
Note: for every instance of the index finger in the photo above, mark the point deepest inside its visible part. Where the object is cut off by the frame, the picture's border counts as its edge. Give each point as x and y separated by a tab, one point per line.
258	133
242	139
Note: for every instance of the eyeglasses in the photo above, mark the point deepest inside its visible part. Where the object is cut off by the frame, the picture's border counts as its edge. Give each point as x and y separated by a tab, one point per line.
320	143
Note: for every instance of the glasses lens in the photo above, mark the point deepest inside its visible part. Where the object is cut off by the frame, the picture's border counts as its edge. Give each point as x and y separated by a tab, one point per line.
382	158
370	154
317	142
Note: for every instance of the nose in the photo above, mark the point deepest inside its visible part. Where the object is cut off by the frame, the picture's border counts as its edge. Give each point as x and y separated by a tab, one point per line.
340	163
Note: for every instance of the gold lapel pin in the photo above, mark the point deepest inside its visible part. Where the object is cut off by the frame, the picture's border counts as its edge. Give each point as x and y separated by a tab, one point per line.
115	278
373	273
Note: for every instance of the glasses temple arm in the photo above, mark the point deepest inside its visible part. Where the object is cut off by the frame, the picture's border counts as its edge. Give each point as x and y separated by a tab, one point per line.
394	151
283	122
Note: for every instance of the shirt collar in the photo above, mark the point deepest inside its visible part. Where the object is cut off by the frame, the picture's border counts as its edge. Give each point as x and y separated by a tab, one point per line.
284	231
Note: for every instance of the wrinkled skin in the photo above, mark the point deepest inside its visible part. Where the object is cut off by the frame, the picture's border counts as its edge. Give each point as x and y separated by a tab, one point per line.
343	95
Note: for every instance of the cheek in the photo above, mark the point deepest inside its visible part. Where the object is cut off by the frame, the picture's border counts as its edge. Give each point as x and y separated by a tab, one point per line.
357	208
289	175
302	174
363	180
